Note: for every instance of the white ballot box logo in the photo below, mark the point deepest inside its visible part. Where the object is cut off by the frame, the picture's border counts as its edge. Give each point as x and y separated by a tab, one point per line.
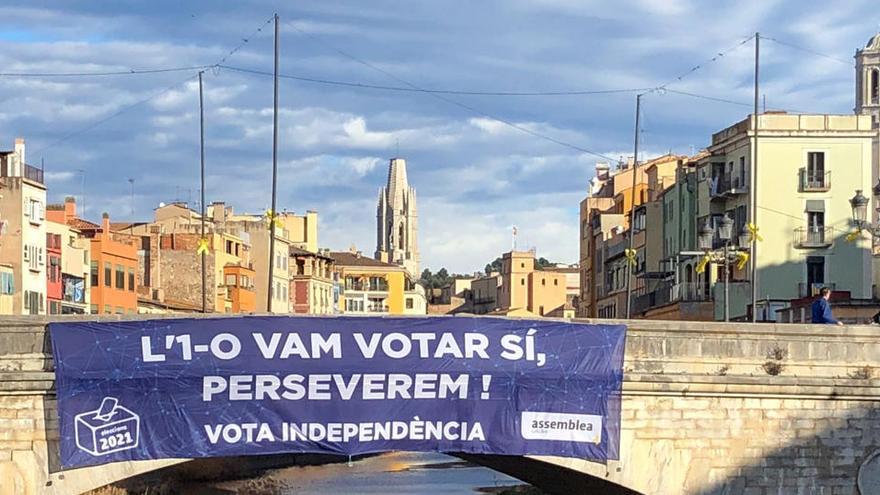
109	428
561	426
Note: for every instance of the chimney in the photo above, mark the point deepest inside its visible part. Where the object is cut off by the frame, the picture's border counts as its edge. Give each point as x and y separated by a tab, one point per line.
105	223
219	210
19	151
69	208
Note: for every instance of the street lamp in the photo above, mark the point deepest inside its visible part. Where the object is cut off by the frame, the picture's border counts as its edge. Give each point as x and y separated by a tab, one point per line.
859	205
725	234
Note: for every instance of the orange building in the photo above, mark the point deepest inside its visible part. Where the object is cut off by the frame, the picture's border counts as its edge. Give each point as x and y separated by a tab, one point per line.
114	262
239	282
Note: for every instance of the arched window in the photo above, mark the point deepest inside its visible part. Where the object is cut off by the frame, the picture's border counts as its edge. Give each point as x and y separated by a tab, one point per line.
400	244
875	86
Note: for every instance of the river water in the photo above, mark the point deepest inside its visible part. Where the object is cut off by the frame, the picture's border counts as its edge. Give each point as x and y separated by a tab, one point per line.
396	473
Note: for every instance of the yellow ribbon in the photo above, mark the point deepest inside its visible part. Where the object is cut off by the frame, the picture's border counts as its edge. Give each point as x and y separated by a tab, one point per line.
852	236
203	246
753	233
630	256
741	259
272	217
701	266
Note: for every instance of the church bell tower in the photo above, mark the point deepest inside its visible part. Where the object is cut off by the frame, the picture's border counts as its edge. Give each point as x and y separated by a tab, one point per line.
868	80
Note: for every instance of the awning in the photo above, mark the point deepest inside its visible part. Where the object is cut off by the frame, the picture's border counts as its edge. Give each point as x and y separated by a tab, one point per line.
815	205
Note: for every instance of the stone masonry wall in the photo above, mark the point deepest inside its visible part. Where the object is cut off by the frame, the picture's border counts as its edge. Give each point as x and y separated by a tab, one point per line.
702	412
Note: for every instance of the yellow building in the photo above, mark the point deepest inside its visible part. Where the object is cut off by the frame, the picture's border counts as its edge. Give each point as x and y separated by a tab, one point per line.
7	289
523	289
371	287
75	268
809	166
604	232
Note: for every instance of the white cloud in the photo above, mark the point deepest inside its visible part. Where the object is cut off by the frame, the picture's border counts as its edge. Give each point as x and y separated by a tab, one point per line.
60	176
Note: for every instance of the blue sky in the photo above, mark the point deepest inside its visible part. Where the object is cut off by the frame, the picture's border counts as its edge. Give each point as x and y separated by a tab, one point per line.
475	177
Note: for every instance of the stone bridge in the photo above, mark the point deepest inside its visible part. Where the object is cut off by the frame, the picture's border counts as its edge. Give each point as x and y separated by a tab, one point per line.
708	408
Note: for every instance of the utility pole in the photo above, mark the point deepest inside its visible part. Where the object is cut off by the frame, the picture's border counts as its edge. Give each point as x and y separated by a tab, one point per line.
202	201
632	210
82	192
753	216
273	213
131	205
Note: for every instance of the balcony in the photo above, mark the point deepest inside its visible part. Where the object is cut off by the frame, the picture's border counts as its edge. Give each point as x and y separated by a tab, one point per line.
812	290
616	249
813	237
669	293
728	186
33	173
814	182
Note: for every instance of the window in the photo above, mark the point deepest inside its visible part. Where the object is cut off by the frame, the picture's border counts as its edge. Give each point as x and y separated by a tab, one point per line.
875	86
245	281
522	281
816	226
556	282
120	310
543	281
815	271
7	283
131	279
743	179
815	169
108	275
34	210
120	277
93	309
230	280
409	303
107	309
94	273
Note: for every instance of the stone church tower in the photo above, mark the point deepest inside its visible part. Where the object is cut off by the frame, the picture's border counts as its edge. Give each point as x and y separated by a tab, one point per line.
397	221
868	80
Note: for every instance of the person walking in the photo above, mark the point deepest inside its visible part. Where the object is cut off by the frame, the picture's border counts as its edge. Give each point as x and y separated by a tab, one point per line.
822	310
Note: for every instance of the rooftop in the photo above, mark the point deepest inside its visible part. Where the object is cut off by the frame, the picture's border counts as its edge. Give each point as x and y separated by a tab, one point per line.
345	258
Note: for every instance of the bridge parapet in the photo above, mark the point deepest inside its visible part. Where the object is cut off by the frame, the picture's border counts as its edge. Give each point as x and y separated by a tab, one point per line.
707	408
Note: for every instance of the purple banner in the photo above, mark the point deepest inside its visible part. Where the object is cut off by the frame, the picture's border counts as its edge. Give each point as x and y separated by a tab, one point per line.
180	388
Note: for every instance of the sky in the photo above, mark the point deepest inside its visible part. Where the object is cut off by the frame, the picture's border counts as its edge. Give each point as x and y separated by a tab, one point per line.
480	164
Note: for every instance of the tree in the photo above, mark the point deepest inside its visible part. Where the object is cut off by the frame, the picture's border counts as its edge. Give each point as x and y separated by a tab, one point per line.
435	280
495	266
543	263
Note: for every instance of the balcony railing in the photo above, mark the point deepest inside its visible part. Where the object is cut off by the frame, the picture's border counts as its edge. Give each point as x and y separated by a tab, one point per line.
728	186
669	293
813	237
815	182
810	290
615	250
33	173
